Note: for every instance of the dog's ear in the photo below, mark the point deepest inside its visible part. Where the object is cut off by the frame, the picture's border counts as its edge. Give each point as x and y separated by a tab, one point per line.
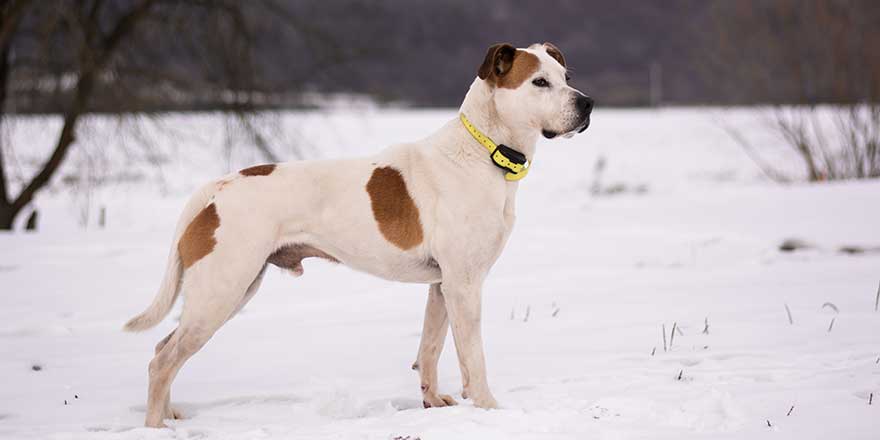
554	52
499	60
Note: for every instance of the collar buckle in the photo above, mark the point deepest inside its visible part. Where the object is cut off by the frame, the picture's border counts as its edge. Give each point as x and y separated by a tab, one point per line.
509	160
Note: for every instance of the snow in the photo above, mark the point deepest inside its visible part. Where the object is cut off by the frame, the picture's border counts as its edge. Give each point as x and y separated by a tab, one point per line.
328	355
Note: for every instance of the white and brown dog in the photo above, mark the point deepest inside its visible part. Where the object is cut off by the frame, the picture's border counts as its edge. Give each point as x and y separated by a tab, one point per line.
436	211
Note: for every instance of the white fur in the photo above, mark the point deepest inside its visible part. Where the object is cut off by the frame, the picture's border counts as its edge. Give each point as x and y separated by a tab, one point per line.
465	206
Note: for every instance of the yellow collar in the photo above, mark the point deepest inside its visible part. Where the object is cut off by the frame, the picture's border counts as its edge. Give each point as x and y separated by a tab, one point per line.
504	157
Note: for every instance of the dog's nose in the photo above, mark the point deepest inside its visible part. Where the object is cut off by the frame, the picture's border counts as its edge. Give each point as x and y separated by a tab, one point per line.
585	104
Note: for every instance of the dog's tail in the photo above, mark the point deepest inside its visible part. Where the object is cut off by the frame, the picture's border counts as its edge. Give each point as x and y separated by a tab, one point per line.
171	283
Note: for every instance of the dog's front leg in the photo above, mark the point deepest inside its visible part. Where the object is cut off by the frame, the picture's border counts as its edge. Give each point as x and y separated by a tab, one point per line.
463	303
433	335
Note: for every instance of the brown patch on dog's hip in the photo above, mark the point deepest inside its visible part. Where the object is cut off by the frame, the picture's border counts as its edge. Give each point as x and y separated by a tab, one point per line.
198	239
394	209
258	170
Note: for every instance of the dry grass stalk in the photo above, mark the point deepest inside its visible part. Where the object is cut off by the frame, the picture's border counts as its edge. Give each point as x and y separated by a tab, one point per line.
664	338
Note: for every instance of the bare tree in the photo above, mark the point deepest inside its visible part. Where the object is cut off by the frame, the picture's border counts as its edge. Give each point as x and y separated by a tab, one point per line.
96	49
78	57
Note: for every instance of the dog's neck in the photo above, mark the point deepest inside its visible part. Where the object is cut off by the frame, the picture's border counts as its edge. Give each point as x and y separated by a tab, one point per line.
479	107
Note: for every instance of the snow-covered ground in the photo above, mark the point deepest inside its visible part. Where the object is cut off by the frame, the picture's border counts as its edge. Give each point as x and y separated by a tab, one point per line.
573	311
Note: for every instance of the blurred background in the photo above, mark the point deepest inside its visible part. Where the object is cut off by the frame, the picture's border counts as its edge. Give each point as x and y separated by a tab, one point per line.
139	60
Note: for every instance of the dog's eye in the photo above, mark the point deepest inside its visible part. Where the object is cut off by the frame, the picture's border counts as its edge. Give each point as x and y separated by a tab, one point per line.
540	82
567	77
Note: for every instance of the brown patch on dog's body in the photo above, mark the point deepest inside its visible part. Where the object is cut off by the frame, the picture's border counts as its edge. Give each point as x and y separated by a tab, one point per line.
198	239
394	209
258	170
290	257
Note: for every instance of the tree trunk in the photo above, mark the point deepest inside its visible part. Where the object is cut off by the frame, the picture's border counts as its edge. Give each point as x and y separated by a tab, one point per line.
7	216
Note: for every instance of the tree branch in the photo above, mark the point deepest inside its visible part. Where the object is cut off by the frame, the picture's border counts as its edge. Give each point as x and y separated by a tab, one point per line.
11	14
122	28
84	88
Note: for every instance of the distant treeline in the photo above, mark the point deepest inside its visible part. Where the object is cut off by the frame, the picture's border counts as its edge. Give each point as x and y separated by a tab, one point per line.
426	52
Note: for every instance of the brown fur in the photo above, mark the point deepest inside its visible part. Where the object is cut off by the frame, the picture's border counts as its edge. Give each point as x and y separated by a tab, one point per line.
394	209
198	238
508	67
554	52
258	170
499	59
290	257
525	64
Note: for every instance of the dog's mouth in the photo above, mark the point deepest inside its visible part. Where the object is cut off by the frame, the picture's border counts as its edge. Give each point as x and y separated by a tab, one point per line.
580	128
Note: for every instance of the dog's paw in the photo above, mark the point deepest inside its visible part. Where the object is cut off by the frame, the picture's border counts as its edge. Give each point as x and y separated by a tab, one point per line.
438	401
155	424
173	414
485	402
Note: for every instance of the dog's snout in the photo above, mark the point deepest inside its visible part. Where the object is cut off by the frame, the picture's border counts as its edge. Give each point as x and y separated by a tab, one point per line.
585	104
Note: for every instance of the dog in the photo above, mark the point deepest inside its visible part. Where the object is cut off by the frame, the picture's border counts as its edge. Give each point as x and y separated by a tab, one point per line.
437	211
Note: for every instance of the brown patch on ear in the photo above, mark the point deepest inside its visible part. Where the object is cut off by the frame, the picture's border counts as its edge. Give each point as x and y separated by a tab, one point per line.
525	64
507	67
394	209
258	170
554	52
198	239
498	61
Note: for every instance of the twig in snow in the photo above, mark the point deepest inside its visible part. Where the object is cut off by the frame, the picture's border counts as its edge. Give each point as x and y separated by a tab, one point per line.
830	326
679	331
664	338
706	328
789	411
680	372
672	335
870	398
768	424
653	350
831	306
788	311
555	312
877	299
528	309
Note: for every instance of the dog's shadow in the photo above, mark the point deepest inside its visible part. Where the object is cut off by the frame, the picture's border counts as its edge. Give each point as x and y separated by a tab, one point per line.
191	409
188	410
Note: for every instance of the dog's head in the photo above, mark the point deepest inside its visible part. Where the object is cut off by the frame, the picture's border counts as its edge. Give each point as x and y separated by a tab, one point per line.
530	88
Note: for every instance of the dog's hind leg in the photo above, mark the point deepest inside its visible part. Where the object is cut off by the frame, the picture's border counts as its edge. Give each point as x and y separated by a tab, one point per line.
167	412
251	291
214	291
433	335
